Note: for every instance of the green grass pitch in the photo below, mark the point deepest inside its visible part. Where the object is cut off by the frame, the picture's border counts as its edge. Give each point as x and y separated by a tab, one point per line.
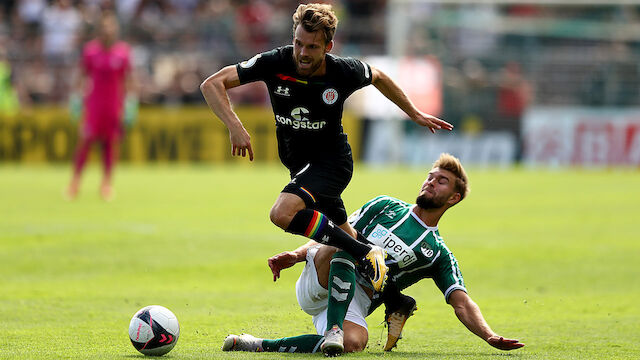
551	257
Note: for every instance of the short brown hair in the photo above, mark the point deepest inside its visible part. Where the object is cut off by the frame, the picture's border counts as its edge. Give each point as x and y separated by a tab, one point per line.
314	17
451	163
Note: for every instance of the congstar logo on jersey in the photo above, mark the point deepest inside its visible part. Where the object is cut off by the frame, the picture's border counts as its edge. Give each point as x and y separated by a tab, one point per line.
301	120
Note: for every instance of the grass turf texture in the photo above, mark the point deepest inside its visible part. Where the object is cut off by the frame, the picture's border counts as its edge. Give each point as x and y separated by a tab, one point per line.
551	257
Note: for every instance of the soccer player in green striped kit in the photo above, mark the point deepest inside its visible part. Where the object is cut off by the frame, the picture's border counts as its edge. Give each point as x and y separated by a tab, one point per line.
339	298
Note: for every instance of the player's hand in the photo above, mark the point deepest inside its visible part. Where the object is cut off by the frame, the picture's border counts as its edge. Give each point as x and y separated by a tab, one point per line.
432	122
75	107
282	261
501	343
240	143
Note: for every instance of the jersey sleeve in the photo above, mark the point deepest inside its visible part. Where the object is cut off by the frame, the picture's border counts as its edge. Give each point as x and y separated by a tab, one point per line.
358	72
258	67
361	217
448	276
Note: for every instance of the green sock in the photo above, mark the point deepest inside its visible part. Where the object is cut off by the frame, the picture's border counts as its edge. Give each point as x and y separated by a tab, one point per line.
297	344
342	287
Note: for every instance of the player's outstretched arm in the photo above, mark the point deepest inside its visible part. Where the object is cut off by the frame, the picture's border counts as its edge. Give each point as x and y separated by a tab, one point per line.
393	92
469	314
287	259
214	90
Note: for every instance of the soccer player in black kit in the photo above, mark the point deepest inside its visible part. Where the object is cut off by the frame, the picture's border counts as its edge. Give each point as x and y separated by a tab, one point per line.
308	87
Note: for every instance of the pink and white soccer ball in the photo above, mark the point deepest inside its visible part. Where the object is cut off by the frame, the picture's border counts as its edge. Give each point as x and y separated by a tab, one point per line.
154	330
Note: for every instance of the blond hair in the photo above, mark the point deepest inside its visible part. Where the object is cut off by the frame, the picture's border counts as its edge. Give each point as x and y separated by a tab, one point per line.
451	163
314	17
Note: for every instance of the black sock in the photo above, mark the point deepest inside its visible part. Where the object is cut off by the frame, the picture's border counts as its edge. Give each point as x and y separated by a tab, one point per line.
317	226
361	238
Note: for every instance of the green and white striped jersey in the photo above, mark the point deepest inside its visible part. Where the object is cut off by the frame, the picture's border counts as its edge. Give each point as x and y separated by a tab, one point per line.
416	251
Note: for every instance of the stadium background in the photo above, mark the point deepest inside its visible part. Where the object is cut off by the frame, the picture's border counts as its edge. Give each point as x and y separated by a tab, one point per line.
556	83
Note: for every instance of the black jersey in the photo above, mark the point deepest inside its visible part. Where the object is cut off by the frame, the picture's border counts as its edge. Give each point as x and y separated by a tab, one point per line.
308	111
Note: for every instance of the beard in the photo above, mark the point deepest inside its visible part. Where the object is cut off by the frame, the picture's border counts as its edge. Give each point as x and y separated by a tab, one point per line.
430	203
307	71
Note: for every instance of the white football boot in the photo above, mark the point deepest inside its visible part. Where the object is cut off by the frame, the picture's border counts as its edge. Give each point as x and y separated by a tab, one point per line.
333	344
243	342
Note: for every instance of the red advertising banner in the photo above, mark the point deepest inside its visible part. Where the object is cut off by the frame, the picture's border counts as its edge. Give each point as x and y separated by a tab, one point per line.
581	136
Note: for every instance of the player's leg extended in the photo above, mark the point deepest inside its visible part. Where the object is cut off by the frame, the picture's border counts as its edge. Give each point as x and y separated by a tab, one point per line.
301	344
295	344
290	213
311	296
355	339
310	205
355	336
310	290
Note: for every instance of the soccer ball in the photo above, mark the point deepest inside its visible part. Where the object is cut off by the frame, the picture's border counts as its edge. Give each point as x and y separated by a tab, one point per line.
154	330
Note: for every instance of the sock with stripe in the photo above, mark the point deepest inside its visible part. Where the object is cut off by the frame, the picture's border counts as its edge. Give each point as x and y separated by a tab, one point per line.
342	287
315	225
294	344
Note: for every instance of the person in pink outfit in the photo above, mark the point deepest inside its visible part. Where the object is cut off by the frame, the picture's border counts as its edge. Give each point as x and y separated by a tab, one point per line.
109	96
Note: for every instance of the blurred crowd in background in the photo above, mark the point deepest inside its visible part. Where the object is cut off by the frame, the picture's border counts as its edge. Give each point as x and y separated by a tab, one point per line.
496	59
176	43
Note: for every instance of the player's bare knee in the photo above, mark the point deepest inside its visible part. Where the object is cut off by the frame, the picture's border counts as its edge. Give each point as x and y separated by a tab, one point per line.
355	337
279	218
281	215
285	208
354	343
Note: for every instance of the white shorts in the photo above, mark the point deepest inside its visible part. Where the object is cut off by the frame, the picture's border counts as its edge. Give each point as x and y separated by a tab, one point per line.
312	297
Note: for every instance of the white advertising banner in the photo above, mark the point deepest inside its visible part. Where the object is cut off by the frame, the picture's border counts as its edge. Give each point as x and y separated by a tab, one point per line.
581	136
487	149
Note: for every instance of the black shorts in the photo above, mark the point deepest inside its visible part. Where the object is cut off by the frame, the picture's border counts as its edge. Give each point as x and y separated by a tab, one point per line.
320	184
